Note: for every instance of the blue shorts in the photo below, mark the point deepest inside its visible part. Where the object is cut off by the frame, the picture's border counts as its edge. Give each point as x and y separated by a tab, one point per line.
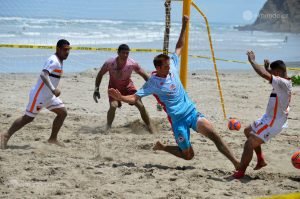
181	129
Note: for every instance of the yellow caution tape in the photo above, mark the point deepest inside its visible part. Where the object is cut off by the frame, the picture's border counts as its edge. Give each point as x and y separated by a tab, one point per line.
284	196
77	48
147	50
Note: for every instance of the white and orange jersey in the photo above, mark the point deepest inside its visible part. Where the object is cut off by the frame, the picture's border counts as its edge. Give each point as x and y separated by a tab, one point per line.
275	118
40	95
55	69
278	106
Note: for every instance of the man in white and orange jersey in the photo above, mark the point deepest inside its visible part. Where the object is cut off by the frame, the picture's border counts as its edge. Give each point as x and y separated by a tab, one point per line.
120	69
275	118
45	95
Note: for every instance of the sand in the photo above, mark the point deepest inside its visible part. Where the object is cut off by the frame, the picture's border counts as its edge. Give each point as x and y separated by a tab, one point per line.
120	163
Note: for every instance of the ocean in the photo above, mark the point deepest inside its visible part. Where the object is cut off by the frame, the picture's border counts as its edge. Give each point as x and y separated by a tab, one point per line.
228	42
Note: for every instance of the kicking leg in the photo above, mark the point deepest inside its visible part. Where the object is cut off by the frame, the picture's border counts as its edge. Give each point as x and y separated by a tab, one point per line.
61	114
205	127
144	115
187	154
17	125
260	159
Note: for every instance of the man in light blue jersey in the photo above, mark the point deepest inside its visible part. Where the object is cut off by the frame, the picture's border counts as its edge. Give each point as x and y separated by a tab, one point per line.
166	85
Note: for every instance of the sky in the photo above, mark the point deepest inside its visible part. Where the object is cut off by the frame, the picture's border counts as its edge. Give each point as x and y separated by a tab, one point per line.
220	11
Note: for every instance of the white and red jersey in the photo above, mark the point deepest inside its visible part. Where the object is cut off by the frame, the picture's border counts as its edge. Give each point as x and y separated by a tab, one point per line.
40	95
278	106
275	118
55	69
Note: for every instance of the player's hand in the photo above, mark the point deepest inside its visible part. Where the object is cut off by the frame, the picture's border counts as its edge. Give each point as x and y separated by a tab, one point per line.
56	92
96	96
185	19
266	63
115	93
251	56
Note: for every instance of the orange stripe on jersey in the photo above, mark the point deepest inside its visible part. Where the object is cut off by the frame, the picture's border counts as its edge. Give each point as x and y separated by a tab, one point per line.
57	71
275	111
35	97
262	129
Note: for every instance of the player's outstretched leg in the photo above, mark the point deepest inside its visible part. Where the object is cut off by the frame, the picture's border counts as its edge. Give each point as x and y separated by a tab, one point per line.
61	114
186	154
17	125
205	127
144	115
260	158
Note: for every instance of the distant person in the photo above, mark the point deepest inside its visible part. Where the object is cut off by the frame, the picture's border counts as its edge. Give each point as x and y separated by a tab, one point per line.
286	39
166	85
120	69
275	118
45	95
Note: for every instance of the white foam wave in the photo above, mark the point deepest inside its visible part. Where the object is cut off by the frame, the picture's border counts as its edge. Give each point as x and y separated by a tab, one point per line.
7	35
31	33
49	20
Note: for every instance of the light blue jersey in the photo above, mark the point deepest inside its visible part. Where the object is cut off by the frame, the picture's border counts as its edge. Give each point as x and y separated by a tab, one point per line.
178	105
170	92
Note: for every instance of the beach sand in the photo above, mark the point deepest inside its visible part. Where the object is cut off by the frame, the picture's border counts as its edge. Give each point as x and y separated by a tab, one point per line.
121	164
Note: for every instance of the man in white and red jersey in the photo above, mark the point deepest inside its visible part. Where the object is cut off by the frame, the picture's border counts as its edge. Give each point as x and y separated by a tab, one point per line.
275	118
120	69
45	95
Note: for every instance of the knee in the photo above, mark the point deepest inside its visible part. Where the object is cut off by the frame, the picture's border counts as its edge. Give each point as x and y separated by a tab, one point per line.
247	131
189	155
113	106
27	119
63	114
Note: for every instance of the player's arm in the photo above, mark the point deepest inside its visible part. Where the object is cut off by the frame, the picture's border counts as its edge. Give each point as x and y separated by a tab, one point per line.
181	39
267	65
261	71
142	73
45	78
99	77
115	93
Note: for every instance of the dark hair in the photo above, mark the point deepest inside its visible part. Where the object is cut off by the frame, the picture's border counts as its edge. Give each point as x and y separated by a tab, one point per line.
279	64
123	47
61	43
158	60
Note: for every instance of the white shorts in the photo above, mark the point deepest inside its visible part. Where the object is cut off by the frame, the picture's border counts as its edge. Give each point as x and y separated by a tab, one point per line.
264	131
36	104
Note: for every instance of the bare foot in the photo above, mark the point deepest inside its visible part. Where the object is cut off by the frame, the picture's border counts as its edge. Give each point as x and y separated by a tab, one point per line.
3	141
260	165
50	141
108	127
158	146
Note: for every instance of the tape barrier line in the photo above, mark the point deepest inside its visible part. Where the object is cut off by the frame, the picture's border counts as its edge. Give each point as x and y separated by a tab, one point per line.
149	50
284	196
76	48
